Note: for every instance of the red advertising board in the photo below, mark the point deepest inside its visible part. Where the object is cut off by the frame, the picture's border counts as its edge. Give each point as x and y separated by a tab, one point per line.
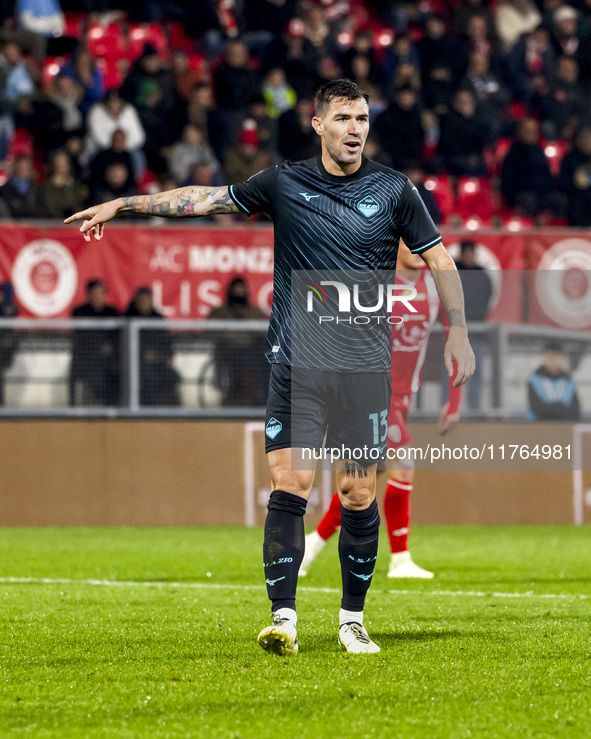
188	268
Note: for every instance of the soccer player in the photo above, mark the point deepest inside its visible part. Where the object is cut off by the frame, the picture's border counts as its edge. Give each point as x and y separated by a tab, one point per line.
343	213
409	346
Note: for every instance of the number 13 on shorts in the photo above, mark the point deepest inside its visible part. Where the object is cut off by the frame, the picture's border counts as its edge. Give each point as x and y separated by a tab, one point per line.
380	426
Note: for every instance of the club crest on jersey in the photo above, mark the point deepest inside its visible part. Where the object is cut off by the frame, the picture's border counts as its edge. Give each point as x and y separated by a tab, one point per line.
273	428
368	206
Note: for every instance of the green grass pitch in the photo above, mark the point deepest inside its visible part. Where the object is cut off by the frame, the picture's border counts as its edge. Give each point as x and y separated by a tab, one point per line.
497	645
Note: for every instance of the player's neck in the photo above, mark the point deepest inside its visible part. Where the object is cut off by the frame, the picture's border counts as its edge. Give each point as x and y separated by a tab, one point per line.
337	169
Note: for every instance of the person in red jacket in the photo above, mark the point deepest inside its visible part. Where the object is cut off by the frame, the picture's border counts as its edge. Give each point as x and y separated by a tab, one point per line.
409	347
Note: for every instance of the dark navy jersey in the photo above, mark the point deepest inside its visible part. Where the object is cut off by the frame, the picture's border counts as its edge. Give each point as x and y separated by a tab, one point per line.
328	227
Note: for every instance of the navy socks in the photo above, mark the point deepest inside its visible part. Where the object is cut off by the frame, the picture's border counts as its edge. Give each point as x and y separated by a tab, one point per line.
358	551
283	547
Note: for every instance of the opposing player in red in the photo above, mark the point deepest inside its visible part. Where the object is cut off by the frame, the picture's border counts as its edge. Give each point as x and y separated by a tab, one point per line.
409	346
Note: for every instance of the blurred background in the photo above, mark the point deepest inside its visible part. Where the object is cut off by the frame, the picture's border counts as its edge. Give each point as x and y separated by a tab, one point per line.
133	367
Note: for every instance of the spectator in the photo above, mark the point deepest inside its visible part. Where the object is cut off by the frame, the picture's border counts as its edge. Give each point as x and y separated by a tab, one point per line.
266	126
8	337
112	114
464	12
477	287
190	150
94	371
236	83
361	75
185	78
575	179
479	35
490	94
374	150
278	94
463	136
116	154
67	95
399	129
416	175
14	72
530	64
241	370
20	197
42	18
117	183
62	195
526	181
159	380
551	391
83	70
565	32
160	127
513	18
245	159
363	47
443	63
146	74
297	138
44	121
201	113
561	104
297	56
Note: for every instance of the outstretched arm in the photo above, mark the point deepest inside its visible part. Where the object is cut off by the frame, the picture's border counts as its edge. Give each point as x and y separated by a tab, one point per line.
181	203
449	287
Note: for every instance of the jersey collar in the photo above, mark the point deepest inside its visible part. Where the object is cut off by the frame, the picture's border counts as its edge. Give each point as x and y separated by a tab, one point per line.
340	178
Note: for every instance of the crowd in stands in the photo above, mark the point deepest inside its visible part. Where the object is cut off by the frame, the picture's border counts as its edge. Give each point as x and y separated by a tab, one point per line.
485	104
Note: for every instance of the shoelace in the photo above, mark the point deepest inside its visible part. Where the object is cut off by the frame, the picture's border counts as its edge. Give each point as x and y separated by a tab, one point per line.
360	634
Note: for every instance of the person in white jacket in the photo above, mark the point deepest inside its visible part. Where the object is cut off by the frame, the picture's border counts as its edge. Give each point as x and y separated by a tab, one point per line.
111	114
514	18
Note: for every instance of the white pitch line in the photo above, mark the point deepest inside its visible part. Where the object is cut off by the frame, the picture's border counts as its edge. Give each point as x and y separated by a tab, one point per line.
305	588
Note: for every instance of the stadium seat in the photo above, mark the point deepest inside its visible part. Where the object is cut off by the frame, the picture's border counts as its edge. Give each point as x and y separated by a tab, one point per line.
106	41
474	198
22	143
74	23
113	71
440	187
554	151
141	34
178	39
502	146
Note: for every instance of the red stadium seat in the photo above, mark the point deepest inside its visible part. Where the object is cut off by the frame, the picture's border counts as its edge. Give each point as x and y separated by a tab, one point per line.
502	146
440	187
474	198
178	39
74	23
141	34
554	151
106	41
22	143
113	70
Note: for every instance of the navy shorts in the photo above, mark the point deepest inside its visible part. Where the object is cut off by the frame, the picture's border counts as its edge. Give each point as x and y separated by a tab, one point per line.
350	409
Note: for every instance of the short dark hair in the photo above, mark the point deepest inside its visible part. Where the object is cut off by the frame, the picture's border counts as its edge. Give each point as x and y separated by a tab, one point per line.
337	90
96	282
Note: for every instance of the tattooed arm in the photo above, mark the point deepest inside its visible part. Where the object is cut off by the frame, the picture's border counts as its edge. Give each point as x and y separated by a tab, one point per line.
181	203
449	288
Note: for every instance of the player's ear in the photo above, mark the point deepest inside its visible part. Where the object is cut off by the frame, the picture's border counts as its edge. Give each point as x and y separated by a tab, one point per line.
317	125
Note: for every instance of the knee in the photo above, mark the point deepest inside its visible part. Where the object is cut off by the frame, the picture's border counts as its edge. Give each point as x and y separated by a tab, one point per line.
292	481
357	498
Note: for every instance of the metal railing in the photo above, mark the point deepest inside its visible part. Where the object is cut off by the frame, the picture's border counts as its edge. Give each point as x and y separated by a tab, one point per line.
125	367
